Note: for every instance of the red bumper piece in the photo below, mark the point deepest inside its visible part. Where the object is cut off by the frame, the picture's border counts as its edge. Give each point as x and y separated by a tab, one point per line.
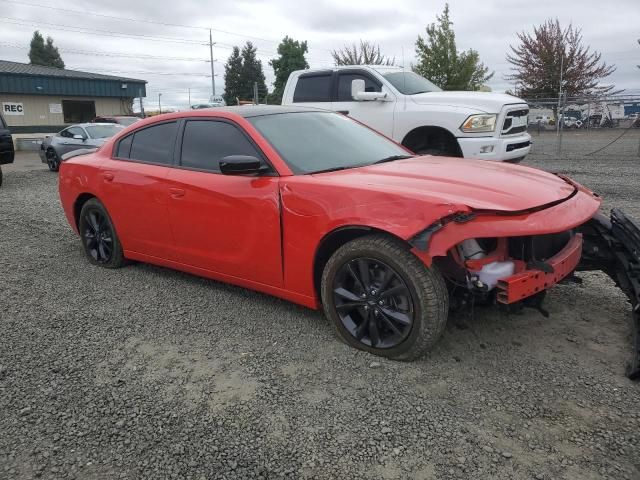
529	282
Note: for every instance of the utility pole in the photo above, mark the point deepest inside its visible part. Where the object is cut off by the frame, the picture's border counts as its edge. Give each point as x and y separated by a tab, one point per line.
159	103
141	106
255	93
560	94
213	76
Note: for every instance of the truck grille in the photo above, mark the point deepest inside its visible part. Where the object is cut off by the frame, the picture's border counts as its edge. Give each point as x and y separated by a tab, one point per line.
515	122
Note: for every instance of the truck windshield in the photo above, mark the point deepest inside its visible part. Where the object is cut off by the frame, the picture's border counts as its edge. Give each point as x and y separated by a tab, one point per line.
314	142
410	83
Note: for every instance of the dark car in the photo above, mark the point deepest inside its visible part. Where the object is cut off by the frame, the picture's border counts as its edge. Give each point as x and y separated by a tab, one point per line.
6	146
120	120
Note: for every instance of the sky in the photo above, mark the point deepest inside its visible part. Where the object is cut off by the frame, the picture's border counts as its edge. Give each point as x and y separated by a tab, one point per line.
166	42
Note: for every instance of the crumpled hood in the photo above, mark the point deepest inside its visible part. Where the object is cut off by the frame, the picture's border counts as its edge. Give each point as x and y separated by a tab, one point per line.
483	101
478	184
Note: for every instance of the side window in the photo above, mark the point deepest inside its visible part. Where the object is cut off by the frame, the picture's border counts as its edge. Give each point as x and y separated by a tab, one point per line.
205	142
124	147
65	133
75	131
313	88
154	144
344	85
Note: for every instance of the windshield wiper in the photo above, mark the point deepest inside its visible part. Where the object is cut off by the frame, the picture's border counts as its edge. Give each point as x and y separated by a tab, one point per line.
392	158
327	170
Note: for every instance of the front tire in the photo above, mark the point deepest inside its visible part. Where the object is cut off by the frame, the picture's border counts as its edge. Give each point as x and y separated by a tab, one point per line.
99	238
382	299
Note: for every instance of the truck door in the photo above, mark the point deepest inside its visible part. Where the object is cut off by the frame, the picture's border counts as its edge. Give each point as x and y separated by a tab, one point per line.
377	114
314	89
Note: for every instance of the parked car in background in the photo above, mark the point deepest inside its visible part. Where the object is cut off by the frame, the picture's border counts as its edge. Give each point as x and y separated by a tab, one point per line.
6	146
120	120
416	113
82	135
318	209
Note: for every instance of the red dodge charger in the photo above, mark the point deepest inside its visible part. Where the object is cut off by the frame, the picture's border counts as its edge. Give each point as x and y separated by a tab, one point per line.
313	207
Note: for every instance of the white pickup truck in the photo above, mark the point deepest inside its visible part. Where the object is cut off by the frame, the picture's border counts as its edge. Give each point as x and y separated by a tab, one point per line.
414	112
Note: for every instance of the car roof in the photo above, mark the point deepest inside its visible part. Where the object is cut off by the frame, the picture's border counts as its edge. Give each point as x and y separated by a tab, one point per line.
89	124
248	111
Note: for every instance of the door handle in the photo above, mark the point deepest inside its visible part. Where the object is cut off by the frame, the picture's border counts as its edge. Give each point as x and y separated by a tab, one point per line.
343	112
108	176
176	192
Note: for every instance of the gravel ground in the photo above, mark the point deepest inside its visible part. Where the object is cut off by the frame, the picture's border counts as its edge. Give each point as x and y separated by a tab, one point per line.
145	372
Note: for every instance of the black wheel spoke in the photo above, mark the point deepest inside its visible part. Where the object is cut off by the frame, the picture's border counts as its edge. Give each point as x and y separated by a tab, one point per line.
349	305
389	323
363	268
374	334
93	221
401	288
347	295
356	277
362	328
388	276
397	316
99	238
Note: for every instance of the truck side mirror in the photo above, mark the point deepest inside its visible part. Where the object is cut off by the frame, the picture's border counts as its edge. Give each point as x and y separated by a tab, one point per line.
358	92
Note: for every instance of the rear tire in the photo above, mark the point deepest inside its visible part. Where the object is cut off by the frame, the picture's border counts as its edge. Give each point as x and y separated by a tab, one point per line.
99	238
53	160
0	176
399	318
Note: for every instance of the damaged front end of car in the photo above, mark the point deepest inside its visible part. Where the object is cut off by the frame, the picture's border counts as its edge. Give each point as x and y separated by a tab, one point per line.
513	258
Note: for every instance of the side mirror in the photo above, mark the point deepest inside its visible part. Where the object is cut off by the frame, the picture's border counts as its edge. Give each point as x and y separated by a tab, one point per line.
240	165
358	92
79	137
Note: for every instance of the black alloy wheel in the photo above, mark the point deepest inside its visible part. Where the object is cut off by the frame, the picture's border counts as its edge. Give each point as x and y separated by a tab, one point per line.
383	299
99	238
53	161
373	302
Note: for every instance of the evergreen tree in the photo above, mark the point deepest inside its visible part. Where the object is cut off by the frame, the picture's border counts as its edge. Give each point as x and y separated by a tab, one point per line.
291	58
251	72
232	77
440	61
44	54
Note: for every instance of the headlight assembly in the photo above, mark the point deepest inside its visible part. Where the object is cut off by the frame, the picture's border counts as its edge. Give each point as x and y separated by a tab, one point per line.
479	123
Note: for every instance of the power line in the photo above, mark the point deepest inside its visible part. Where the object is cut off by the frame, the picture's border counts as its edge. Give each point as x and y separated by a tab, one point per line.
84	13
113	54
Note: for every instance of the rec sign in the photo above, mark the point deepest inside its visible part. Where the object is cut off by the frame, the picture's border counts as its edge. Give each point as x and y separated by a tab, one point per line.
12	108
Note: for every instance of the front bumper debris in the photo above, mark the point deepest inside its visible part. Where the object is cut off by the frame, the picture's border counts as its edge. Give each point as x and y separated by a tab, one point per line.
613	246
531	281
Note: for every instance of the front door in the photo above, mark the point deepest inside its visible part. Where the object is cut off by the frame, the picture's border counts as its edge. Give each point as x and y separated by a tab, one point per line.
229	224
377	114
67	143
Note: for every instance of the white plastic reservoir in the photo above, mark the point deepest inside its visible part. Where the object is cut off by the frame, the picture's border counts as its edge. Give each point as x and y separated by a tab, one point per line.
494	271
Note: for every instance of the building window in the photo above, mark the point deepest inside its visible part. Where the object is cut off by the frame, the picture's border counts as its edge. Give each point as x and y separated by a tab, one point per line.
78	111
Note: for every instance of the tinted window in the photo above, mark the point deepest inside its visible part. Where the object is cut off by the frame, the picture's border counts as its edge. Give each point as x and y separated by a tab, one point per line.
314	141
206	142
124	147
71	131
154	144
411	83
103	131
344	85
315	88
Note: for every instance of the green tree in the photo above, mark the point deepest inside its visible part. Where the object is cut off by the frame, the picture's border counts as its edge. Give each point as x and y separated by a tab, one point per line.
232	77
440	61
251	72
42	53
291	58
364	54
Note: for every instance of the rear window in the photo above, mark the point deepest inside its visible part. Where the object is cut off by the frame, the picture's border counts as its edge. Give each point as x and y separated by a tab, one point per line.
103	131
154	144
316	88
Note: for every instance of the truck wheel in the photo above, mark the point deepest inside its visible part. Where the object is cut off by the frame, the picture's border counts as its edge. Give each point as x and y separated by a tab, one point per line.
382	299
433	142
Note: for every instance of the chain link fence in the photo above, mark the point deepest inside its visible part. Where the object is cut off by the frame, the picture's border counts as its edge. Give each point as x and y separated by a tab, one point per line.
586	125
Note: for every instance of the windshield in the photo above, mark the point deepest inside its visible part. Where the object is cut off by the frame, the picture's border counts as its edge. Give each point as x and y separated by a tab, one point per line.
103	131
410	83
311	142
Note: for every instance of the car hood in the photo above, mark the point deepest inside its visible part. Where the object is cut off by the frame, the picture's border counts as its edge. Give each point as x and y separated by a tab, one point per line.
482	101
477	184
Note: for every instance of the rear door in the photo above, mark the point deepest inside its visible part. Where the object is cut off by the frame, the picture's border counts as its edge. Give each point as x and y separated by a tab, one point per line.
315	89
6	143
135	190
